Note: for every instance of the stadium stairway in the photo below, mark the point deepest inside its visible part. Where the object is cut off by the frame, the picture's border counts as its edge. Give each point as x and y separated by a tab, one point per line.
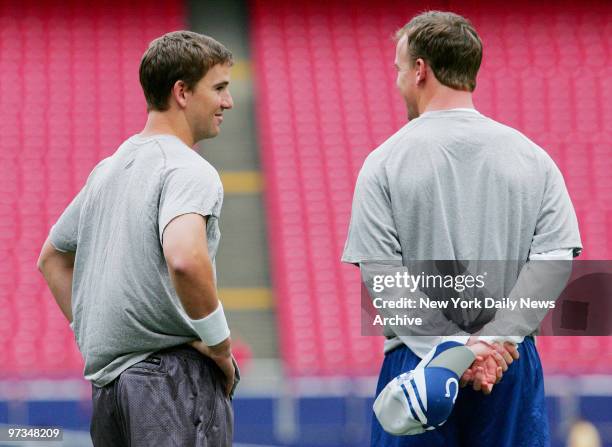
242	261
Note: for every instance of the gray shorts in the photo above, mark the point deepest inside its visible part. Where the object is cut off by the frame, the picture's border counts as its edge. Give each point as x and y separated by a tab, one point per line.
173	398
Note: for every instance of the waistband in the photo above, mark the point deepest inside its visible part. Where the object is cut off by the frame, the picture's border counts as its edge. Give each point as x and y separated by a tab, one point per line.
183	350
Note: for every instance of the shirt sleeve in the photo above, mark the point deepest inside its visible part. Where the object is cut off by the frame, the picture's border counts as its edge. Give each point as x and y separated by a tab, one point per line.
372	234
562	254
556	226
64	234
189	190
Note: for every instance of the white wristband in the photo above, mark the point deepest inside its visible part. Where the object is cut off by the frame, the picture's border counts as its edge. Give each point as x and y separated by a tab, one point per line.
213	328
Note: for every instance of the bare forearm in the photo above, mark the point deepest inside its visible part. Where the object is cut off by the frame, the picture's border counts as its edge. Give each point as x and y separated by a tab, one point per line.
57	268
192	274
194	284
59	280
198	294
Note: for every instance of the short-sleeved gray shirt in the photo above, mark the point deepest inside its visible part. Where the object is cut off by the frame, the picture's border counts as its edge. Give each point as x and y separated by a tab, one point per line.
454	184
123	302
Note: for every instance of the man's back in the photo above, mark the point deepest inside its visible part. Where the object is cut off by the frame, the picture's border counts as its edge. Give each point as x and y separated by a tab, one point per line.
125	306
462	186
456	185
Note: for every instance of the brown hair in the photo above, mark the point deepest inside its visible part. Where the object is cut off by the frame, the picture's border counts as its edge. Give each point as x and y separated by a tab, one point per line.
448	43
180	55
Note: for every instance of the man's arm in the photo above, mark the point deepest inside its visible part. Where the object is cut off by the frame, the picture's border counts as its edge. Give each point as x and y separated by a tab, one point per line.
57	268
541	279
186	253
56	260
191	271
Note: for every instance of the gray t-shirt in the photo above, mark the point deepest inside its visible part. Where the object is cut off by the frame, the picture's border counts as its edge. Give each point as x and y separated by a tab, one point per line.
454	184
124	305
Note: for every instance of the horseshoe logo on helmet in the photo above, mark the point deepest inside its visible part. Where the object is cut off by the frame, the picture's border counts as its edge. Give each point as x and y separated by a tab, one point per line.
448	384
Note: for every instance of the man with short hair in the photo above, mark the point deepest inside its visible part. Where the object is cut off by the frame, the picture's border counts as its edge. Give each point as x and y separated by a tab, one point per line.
131	262
453	184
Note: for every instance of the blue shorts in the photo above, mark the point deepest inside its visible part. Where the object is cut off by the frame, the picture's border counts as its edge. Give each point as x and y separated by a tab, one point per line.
513	415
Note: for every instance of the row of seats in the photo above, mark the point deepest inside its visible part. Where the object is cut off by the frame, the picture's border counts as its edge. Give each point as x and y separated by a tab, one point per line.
69	87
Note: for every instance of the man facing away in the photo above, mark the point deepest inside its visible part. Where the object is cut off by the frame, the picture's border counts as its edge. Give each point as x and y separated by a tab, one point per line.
131	262
453	184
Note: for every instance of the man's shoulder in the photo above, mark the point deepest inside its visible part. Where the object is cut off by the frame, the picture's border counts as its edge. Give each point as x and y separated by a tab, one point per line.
410	137
99	168
518	142
179	156
390	145
188	159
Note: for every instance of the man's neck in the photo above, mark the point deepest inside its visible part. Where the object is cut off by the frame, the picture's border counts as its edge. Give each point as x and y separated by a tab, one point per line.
166	123
446	98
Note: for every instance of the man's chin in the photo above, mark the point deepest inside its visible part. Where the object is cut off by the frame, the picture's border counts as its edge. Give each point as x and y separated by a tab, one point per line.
210	134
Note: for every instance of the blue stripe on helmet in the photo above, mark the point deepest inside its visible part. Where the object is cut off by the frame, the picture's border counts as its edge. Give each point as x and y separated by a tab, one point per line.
414	416
416	393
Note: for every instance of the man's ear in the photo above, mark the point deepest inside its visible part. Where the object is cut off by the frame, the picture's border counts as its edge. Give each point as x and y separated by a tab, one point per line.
179	93
421	70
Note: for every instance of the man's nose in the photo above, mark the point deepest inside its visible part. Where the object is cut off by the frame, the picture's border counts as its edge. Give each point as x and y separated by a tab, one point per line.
228	101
